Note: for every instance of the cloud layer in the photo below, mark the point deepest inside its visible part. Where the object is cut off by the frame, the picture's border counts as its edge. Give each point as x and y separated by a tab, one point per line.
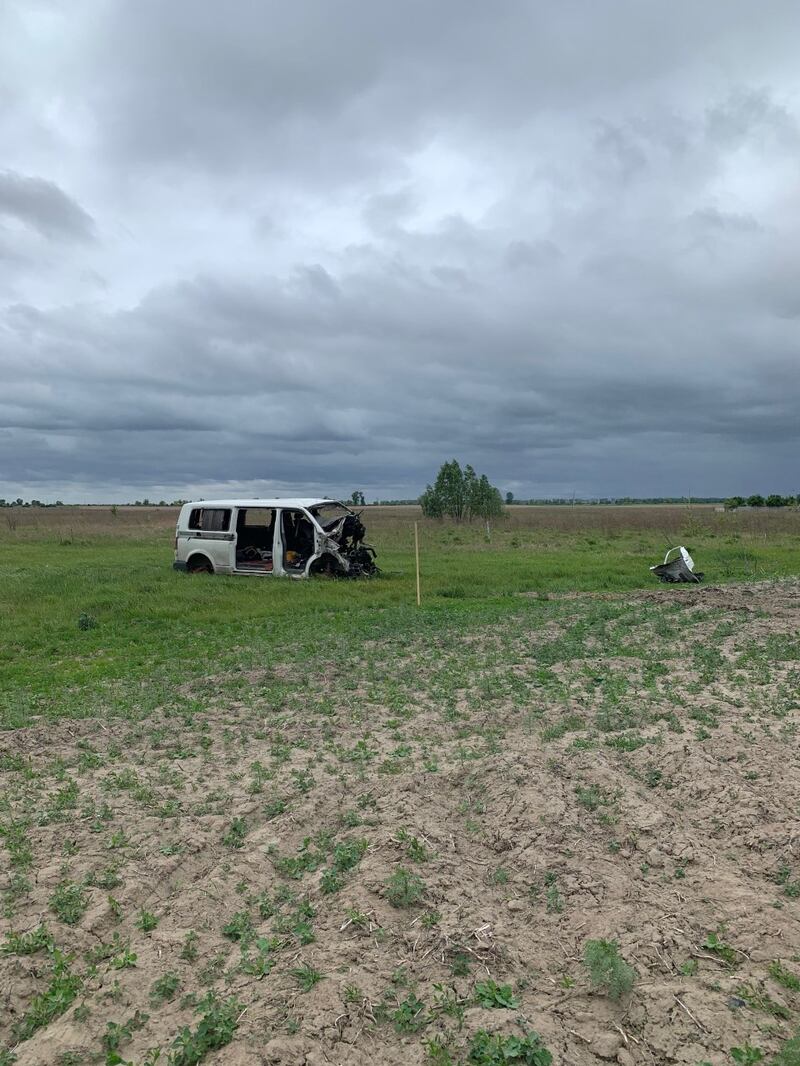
324	247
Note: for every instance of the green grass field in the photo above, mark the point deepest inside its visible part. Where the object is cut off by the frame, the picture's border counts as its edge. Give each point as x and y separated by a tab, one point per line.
156	628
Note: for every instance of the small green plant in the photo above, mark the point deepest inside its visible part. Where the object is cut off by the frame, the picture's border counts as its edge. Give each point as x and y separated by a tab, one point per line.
298	923
69	902
240	927
18	845
784	977
275	807
607	969
348	855
722	950
165	987
218	1022
106	949
39	939
747	1055
494	1050
404	888
461	964
117	1033
266	908
260	964
758	999
415	850
331	882
490	994
146	921
554	901
409	1016
234	835
306	976
117	840
438	1052
56	998
189	949
307	860
590	797
789	1054
107	878
213	970
126	960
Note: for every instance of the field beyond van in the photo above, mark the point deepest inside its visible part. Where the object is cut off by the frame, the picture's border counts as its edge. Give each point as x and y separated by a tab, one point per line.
553	812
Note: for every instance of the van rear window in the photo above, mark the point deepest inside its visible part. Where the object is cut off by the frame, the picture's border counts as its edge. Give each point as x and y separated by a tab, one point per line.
211	519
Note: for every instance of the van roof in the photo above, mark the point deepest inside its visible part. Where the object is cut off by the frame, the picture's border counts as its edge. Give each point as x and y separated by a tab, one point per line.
286	501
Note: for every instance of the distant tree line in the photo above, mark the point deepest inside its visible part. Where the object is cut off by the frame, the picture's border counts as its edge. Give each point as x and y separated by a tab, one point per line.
19	502
774	500
152	503
461	495
614	501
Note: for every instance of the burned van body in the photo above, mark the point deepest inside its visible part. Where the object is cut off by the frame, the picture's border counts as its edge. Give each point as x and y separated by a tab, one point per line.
285	537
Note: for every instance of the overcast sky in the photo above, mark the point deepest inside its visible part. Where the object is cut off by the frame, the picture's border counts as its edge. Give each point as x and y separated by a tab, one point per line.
268	247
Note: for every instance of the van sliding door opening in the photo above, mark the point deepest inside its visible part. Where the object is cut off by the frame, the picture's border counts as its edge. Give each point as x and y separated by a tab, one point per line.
255	536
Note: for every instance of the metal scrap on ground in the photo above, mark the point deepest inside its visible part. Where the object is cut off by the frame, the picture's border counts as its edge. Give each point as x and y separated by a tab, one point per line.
677	570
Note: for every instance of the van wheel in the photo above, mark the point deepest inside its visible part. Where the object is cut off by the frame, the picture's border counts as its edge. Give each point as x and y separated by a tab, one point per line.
200	566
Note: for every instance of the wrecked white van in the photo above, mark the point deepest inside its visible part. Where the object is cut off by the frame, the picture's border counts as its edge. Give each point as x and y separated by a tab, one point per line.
291	538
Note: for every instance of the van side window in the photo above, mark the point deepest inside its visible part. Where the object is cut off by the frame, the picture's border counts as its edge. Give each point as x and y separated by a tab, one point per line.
211	519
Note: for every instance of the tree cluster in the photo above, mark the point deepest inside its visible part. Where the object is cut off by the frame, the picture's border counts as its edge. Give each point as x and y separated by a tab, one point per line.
773	500
461	495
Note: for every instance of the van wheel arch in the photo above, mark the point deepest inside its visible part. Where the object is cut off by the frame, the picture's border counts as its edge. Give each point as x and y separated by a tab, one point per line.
199	564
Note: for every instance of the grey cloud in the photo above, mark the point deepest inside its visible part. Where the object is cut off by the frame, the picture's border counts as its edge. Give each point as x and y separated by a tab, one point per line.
43	206
522	254
384	212
752	112
326	90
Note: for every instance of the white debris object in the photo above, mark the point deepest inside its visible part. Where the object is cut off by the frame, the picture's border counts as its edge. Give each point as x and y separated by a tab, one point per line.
679	569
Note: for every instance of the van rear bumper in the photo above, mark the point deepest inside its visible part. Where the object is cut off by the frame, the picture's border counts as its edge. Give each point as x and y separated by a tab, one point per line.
179	566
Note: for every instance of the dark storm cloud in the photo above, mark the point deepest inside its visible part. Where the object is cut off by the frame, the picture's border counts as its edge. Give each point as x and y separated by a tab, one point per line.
341	243
43	206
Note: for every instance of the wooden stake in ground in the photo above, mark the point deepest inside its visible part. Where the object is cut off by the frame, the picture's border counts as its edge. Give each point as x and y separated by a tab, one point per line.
416	553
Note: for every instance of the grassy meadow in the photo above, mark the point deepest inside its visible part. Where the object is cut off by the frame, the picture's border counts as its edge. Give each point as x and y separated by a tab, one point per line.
547	819
155	627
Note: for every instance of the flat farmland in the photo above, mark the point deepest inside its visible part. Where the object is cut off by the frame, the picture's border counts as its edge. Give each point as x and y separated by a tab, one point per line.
551	815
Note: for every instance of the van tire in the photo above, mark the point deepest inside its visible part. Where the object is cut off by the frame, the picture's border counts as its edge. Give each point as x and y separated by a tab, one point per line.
200	564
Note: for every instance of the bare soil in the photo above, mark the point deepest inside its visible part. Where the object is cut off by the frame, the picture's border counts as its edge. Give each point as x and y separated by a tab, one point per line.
634	780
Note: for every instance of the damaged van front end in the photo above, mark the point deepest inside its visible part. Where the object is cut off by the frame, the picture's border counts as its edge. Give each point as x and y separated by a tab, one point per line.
340	550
